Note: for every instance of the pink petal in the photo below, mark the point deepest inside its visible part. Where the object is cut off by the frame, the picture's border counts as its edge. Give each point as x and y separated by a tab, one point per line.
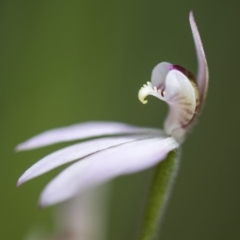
80	131
202	75
100	167
72	153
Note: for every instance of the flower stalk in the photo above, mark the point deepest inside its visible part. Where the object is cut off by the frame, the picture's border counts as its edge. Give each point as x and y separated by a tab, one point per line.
160	191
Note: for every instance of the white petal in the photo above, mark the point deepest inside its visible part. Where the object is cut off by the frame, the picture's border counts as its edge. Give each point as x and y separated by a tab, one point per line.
100	167
202	75
80	131
70	154
159	74
180	95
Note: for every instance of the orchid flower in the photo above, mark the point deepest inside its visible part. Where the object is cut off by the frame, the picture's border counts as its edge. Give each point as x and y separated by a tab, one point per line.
120	148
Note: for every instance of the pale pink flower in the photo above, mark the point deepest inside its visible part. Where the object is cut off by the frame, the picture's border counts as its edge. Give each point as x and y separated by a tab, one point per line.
121	148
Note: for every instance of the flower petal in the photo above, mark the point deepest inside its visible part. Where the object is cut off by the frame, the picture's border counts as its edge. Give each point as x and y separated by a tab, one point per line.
159	74
181	96
202	75
81	131
72	153
100	167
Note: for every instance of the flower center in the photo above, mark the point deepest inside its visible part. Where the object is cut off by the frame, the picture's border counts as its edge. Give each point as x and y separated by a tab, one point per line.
178	89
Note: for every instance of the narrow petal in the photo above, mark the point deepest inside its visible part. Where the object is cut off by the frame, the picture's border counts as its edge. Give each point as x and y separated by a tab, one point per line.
100	167
202	75
80	131
72	153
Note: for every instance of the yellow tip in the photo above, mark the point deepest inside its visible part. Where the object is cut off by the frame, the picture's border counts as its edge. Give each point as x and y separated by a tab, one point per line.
142	94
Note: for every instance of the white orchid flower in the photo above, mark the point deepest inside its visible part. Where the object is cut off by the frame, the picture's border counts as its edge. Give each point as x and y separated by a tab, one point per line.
121	148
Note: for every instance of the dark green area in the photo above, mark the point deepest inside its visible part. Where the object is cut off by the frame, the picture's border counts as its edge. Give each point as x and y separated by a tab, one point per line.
63	62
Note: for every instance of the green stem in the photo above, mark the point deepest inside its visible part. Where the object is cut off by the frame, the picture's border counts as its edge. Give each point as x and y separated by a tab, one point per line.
159	195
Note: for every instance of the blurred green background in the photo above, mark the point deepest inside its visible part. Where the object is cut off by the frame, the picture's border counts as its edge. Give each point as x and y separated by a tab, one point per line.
64	62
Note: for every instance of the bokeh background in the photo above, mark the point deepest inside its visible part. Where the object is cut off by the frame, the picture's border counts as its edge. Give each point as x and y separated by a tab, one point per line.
63	62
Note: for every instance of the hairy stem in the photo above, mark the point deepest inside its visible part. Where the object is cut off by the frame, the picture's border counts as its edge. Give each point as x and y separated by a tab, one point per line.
161	186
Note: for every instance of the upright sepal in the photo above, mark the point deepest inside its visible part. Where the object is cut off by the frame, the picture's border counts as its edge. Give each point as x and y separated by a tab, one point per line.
202	74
